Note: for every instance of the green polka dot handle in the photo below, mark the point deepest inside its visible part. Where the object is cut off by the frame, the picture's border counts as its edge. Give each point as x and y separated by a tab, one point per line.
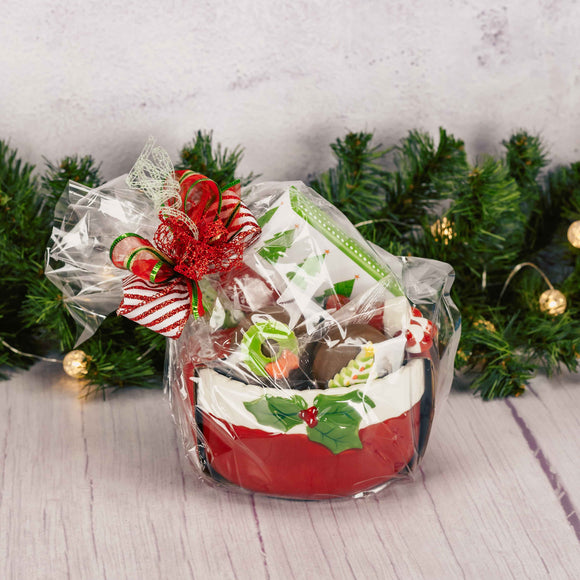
315	217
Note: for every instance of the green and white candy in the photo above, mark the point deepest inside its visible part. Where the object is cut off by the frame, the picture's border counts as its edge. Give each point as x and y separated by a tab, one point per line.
264	342
357	370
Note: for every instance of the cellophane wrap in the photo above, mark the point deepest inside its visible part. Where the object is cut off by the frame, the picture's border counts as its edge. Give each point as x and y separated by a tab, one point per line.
78	262
320	364
317	364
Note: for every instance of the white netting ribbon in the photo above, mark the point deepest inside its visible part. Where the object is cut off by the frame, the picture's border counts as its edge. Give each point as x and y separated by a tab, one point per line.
168	211
153	174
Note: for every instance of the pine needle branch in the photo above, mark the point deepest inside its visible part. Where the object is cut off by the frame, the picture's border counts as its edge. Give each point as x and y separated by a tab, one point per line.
526	157
425	174
503	372
83	170
221	166
353	186
22	229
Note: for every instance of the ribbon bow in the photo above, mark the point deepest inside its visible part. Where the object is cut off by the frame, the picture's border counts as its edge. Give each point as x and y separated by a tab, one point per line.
203	230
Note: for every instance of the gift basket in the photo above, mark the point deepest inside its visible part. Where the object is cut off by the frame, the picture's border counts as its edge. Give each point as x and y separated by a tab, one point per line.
302	361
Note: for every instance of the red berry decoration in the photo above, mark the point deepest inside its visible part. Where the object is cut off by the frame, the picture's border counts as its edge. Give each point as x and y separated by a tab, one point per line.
309	416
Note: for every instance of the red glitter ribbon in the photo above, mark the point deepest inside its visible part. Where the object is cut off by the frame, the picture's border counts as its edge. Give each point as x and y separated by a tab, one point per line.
203	231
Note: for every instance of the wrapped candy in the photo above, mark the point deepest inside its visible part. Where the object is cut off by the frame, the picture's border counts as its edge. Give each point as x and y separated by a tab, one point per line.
303	362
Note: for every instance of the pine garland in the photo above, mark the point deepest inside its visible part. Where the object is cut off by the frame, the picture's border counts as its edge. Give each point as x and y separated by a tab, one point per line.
497	217
419	197
20	251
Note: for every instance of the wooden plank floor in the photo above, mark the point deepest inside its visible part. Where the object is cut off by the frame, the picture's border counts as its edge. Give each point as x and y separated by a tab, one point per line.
93	489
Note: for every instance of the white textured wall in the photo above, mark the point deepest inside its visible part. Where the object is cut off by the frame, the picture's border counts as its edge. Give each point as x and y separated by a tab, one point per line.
284	78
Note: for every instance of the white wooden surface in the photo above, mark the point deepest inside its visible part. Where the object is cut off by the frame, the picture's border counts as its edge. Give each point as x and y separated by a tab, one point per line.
93	489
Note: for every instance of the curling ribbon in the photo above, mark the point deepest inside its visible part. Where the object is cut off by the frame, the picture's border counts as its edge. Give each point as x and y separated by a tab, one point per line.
203	231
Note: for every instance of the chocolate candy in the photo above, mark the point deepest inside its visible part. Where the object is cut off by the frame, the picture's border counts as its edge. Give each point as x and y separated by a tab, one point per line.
335	351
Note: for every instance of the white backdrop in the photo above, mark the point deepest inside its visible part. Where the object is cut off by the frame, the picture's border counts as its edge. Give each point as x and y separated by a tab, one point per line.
284	79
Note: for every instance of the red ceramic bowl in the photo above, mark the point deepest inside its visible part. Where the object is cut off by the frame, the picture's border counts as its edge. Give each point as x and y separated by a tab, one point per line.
312	444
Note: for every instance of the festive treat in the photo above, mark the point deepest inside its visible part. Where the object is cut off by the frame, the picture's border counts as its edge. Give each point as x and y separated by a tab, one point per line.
298	367
283	365
337	349
357	370
419	333
266	343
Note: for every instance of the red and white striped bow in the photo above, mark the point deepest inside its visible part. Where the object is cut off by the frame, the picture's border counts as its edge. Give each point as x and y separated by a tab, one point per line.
203	230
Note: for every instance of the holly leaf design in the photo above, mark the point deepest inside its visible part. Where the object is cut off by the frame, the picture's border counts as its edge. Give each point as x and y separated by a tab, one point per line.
327	401
278	412
276	246
336	409
337	438
286	410
338	421
263	220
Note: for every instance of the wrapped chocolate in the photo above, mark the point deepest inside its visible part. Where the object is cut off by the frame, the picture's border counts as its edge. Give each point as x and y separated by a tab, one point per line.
302	361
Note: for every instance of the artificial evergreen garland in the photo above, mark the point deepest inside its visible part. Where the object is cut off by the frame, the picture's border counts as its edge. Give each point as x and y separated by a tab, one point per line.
488	220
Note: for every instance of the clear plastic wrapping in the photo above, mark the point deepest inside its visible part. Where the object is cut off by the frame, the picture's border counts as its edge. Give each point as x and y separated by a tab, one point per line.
318	373
319	361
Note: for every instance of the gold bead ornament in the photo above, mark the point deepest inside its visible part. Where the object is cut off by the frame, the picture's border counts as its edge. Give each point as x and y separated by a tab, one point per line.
574	234
76	364
482	323
553	302
442	230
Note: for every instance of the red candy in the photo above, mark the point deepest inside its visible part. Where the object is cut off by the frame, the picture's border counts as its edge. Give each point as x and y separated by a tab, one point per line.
419	334
280	368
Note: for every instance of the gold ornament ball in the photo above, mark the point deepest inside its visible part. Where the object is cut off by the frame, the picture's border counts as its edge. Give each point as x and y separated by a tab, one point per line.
442	229
553	302
574	234
482	323
76	364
